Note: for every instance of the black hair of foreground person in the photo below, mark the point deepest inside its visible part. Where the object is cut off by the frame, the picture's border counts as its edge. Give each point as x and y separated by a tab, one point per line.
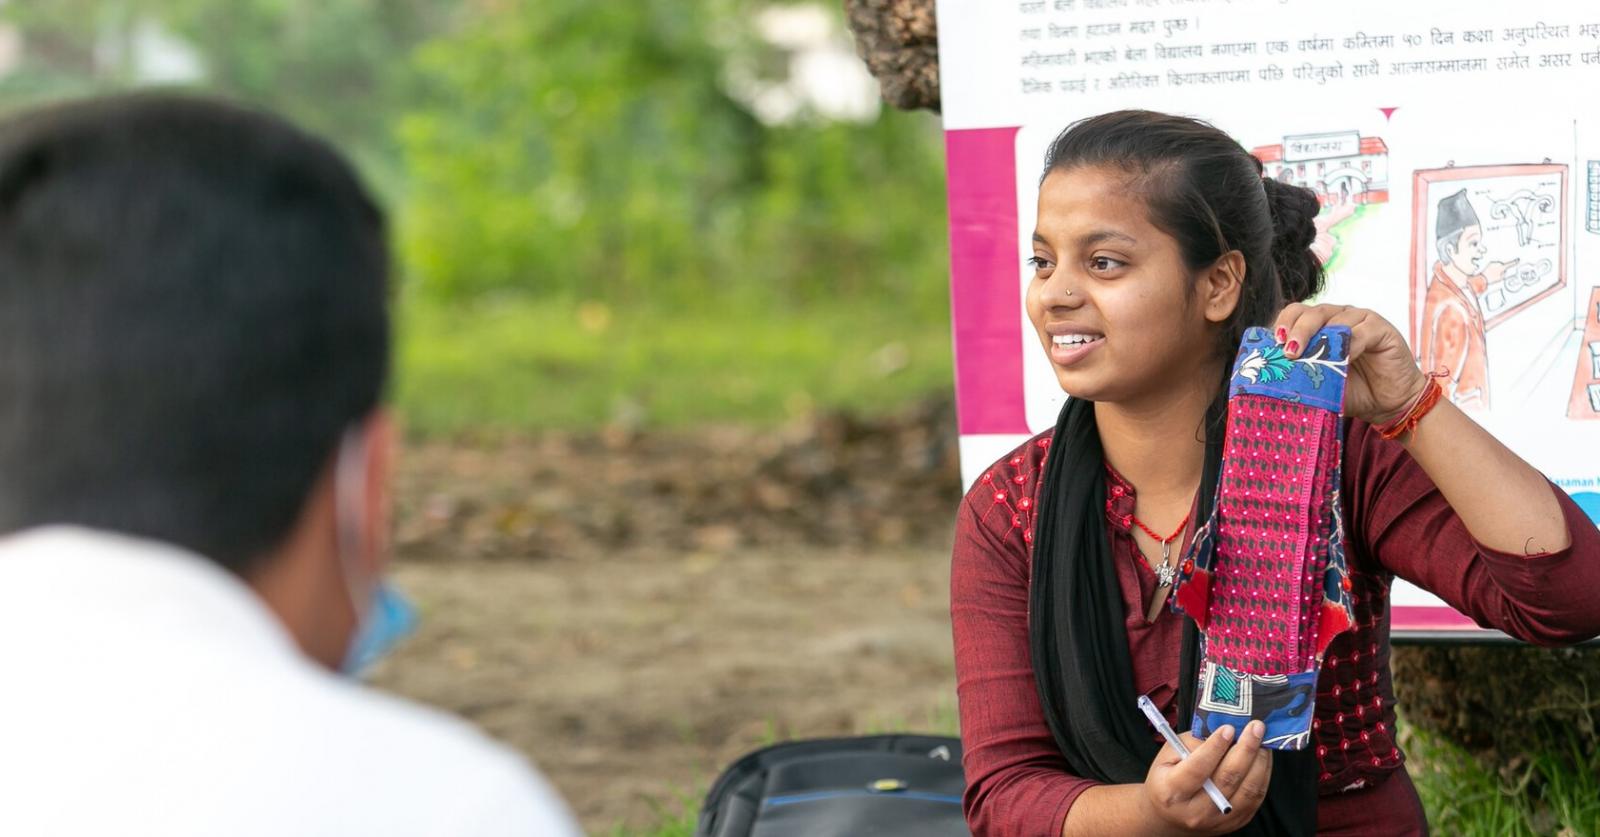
255	267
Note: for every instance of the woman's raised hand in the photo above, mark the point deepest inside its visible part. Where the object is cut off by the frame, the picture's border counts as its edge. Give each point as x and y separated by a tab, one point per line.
1384	378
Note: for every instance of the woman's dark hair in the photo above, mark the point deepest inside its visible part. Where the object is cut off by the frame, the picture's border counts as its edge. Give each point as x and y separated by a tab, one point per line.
1206	191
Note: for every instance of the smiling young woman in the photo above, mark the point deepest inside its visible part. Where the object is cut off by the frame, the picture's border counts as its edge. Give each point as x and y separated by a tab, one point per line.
1158	243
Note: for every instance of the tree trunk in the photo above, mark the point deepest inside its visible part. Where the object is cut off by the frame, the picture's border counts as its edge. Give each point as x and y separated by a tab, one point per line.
900	43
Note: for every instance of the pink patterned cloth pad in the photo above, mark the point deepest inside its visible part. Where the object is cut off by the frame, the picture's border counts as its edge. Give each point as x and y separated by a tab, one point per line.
1265	579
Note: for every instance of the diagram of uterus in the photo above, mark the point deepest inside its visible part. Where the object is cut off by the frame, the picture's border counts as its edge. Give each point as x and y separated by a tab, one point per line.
1523	207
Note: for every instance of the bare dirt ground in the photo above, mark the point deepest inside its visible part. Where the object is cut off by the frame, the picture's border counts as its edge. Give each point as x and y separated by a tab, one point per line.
635	612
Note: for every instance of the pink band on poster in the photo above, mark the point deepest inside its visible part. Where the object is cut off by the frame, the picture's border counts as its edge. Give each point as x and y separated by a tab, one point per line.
1429	618
985	297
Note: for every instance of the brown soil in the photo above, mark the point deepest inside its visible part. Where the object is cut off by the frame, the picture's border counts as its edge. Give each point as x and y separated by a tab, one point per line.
633	612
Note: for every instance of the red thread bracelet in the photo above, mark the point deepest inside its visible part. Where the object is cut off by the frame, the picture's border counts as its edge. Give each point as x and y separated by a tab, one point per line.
1426	401
1412	405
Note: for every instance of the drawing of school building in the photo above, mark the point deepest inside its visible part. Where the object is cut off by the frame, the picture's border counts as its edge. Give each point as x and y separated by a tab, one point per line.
1342	167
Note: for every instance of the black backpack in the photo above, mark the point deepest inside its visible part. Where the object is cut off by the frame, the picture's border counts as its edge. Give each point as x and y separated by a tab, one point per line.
833	787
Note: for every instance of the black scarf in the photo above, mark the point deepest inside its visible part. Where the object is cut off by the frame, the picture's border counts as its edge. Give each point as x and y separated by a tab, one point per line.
1080	646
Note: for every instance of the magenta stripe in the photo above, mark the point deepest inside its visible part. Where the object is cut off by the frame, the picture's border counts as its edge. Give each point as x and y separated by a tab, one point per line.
1426	618
984	295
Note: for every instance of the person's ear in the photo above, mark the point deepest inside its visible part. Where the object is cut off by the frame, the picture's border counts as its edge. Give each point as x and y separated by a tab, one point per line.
1221	286
382	440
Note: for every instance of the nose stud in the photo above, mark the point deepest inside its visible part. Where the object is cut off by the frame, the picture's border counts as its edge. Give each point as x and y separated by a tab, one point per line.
1069	293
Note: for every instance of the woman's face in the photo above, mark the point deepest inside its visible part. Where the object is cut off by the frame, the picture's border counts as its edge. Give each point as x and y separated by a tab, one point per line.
1135	320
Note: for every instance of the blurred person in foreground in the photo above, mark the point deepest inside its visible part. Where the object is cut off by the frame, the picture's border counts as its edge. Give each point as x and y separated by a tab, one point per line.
194	460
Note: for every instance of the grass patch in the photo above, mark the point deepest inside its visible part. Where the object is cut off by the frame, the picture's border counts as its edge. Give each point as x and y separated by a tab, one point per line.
678	818
516	364
1554	791
940	719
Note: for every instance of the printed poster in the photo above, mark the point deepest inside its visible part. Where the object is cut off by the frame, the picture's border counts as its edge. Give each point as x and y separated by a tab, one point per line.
1455	149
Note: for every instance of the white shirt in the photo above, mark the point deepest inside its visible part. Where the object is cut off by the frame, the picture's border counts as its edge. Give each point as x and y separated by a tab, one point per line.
146	691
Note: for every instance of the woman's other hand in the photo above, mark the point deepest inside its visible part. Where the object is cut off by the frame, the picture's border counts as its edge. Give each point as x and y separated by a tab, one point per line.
1174	788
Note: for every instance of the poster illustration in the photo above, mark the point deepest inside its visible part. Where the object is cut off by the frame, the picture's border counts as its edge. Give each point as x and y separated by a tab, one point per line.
1490	242
1459	181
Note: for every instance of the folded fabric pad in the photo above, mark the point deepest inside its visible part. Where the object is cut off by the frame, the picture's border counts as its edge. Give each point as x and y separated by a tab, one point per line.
1265	578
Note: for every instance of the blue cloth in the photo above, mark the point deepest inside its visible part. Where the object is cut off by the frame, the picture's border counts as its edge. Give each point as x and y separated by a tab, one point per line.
1315	378
390	618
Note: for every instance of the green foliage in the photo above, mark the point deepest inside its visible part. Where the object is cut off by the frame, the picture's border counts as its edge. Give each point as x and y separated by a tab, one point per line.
855	211
543	156
569	153
1555	790
510	364
675	819
65	51
565	144
340	68
591	151
942	718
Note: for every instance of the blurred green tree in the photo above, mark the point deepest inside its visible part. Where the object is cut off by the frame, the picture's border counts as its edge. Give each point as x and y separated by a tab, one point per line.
561	148
594	151
339	67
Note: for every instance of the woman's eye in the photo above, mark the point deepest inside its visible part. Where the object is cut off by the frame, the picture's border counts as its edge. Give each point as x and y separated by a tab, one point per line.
1039	263
1104	263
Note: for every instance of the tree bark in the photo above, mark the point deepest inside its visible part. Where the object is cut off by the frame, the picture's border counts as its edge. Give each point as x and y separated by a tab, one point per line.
899	40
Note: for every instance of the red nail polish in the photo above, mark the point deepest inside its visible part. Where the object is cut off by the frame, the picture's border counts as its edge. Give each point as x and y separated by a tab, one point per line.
1294	346
1283	334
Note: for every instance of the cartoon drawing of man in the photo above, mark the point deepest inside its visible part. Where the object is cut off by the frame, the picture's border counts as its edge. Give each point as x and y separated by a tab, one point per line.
1453	334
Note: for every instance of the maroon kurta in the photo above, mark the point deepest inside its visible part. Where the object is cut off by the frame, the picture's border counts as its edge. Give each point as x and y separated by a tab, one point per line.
1397	524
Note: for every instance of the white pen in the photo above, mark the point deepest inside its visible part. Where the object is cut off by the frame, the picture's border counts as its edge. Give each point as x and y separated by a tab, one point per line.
1165	729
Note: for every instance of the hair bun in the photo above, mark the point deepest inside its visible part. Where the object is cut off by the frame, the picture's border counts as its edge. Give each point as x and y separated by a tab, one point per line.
1294	212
